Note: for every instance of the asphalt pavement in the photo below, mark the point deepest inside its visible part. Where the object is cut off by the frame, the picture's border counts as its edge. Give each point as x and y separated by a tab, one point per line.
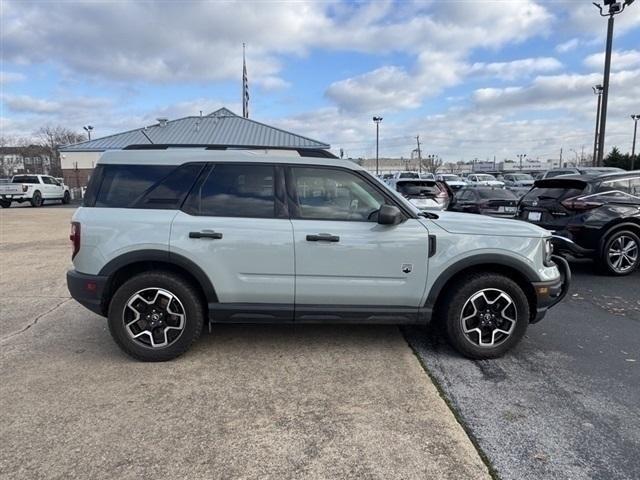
565	404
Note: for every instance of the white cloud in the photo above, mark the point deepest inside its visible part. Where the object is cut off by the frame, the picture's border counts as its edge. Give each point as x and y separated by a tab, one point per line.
620	60
568	46
515	69
10	77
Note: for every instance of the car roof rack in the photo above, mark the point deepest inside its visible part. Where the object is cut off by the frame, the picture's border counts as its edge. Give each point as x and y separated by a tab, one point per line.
303	152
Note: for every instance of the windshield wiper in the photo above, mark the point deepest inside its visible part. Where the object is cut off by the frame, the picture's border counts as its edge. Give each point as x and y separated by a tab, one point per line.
430	215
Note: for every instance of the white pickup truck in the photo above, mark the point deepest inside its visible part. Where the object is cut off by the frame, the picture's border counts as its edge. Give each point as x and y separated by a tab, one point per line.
35	189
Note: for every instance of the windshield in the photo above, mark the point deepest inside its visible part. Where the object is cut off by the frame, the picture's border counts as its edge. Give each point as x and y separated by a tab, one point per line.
522	176
485	178
408	175
417	188
451	178
497	194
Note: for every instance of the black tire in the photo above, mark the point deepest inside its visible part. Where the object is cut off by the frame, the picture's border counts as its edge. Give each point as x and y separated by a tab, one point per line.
66	198
606	262
36	199
189	301
460	300
5	203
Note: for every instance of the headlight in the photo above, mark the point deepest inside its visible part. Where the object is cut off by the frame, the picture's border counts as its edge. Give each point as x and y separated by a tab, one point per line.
548	252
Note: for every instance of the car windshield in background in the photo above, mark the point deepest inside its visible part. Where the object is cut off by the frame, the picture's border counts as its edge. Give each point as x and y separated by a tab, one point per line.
25	179
497	193
522	176
417	188
451	178
485	178
409	175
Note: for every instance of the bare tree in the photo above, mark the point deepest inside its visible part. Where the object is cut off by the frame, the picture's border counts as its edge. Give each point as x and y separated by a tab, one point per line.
432	163
51	137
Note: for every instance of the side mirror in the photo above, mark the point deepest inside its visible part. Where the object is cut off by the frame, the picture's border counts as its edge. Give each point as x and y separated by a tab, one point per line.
389	215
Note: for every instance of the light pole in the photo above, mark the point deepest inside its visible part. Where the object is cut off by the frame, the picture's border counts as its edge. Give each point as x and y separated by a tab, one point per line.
635	119
88	129
615	7
577	161
521	156
597	90
377	121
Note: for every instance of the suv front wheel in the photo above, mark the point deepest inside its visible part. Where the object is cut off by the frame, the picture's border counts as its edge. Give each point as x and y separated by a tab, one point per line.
486	315
155	316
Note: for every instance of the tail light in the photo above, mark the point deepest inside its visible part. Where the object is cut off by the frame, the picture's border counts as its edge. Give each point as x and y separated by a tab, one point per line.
25	188
578	204
75	239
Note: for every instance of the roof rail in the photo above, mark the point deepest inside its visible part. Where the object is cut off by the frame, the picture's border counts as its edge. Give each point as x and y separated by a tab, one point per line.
303	152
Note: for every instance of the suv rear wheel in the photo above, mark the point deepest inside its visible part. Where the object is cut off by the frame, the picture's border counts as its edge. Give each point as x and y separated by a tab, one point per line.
486	315
155	316
621	253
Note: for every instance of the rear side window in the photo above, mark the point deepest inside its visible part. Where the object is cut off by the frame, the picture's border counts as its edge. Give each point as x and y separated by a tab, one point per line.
142	186
231	190
25	179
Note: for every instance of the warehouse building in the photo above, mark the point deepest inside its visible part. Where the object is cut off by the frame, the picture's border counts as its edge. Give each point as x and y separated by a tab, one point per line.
221	129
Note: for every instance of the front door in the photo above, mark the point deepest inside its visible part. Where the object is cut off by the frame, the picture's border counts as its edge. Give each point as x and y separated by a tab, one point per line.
343	256
234	227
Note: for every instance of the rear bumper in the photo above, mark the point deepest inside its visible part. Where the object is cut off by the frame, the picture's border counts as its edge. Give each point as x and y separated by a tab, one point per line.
551	293
87	290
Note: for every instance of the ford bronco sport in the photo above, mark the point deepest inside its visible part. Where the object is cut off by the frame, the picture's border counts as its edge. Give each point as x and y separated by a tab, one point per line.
168	240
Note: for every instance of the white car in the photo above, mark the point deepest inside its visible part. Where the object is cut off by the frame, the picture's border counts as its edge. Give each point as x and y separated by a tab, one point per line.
483	179
35	189
168	241
454	181
424	194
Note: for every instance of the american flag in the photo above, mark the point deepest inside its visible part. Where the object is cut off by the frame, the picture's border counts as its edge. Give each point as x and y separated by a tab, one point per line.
245	86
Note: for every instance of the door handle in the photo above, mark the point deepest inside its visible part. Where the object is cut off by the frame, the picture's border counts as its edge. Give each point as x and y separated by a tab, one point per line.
206	234
323	237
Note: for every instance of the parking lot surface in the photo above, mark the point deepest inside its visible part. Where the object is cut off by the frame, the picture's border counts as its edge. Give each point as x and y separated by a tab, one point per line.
566	402
245	402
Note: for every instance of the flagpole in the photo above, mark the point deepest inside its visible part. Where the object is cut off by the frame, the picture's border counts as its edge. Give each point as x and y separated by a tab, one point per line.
245	86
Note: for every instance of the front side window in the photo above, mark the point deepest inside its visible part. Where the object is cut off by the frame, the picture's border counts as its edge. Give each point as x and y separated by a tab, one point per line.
48	181
327	194
232	190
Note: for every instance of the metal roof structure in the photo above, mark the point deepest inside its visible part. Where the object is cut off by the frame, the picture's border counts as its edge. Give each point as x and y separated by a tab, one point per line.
219	128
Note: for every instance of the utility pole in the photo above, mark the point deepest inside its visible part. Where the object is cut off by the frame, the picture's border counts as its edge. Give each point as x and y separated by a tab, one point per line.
597	90
521	156
635	119
615	7
377	121
560	158
419	154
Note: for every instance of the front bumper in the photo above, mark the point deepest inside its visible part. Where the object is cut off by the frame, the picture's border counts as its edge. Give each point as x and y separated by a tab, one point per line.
551	293
87	290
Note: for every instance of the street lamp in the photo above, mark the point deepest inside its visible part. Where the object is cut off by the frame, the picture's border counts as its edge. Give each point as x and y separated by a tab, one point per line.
597	90
615	7
521	156
377	121
88	129
635	119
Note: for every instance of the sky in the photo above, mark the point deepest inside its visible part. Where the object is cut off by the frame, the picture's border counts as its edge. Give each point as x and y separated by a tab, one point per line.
472	78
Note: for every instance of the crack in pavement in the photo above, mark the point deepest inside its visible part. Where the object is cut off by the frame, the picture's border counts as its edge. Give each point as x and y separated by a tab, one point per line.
34	321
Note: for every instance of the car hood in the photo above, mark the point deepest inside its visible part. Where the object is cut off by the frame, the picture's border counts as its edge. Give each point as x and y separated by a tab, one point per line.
471	224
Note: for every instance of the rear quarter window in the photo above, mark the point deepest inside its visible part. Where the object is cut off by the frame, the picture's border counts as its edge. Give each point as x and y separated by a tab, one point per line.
141	186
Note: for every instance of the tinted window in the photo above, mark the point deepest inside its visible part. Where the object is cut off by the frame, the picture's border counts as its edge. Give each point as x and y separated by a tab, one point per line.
25	179
417	188
169	193
498	194
231	190
408	175
552	193
326	194
48	181
623	190
124	185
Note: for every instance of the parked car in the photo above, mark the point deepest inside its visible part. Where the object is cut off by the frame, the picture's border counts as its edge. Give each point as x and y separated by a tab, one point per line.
35	189
475	179
598	215
405	174
556	172
453	181
170	239
427	176
424	194
497	202
518	180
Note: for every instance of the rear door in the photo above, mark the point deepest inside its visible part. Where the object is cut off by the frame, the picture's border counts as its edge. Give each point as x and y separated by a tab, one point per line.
343	256
235	226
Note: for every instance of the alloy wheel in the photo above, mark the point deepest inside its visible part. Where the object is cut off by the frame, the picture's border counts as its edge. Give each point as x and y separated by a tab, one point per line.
623	253
154	317
488	317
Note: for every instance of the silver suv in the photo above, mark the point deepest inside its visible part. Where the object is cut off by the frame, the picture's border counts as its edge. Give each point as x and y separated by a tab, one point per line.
168	240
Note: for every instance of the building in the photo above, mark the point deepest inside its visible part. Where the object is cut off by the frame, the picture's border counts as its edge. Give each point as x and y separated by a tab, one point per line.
27	159
220	129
